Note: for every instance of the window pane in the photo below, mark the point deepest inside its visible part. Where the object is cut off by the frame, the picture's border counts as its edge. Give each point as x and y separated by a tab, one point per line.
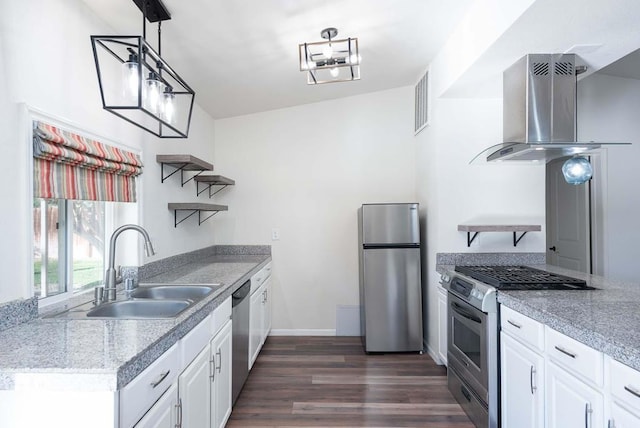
88	218
47	246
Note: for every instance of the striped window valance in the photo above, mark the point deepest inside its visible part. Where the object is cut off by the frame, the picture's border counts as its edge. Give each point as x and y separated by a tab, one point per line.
70	166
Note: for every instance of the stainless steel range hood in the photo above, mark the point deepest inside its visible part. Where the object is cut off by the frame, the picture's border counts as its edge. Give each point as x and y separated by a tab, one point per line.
539	111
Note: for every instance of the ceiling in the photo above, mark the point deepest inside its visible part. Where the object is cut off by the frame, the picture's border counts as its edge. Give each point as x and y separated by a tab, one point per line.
241	56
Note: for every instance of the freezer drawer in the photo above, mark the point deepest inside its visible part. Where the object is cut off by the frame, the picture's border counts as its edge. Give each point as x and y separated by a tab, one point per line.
390	224
392	300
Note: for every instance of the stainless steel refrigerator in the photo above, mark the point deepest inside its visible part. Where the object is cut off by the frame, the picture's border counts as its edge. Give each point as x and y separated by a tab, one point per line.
390	283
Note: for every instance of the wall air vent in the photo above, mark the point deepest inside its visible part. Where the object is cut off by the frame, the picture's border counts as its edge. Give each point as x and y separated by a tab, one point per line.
422	103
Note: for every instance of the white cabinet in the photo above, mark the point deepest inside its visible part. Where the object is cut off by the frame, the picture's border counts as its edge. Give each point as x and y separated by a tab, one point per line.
259	312
194	388
165	413
522	387
571	403
442	325
220	354
620	417
256	320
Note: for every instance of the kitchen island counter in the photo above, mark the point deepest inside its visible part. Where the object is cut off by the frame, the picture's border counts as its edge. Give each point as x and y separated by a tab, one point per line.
106	354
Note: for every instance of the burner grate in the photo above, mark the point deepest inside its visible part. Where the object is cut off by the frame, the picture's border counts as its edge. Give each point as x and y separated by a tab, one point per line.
521	278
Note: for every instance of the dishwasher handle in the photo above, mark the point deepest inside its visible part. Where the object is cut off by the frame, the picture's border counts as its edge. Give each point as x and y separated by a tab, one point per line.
240	294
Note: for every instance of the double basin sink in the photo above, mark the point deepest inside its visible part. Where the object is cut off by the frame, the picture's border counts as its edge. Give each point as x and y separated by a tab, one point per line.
154	301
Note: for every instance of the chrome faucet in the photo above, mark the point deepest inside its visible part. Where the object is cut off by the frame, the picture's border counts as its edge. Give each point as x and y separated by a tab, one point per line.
110	274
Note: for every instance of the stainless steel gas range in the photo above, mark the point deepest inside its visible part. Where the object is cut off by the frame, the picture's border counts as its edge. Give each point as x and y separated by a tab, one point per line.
473	349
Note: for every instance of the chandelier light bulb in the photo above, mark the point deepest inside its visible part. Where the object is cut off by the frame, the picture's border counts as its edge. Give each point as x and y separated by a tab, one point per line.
130	80
334	72
577	170
169	108
355	59
327	51
153	91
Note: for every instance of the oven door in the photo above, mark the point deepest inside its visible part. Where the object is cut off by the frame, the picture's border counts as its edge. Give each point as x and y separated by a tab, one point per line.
467	345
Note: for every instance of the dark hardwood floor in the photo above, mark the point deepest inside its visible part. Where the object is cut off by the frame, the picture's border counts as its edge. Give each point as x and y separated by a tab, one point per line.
331	382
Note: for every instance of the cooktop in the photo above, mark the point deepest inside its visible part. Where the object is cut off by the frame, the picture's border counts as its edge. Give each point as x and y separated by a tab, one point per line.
522	278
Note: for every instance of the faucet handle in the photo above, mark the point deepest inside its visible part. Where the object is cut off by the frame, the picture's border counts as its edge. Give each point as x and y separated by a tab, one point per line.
98	295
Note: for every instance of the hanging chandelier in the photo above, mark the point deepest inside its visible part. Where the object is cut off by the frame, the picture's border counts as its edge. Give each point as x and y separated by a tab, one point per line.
330	61
139	86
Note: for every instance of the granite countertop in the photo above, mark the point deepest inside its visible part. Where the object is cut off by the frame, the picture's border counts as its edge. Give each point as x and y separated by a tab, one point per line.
606	319
99	354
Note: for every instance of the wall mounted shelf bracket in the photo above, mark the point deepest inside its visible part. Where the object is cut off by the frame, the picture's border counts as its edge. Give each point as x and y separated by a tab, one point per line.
182	163
515	228
195	209
212	180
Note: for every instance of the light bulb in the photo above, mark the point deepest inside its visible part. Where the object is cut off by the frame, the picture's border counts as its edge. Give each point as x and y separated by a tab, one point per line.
355	59
334	72
153	89
577	170
169	109
311	65
327	51
130	80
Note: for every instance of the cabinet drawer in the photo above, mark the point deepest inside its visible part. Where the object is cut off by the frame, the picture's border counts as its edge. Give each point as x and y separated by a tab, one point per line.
195	341
140	394
625	383
220	316
576	357
523	328
260	277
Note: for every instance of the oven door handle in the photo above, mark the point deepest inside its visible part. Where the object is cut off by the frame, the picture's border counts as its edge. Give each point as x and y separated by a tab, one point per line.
465	313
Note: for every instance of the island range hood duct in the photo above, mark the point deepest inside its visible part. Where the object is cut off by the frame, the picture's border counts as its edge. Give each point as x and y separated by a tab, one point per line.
539	111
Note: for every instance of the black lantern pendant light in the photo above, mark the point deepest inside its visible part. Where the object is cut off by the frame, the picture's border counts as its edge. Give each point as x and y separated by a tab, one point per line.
139	86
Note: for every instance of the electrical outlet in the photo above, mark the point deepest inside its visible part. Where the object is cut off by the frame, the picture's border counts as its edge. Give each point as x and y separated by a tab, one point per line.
275	234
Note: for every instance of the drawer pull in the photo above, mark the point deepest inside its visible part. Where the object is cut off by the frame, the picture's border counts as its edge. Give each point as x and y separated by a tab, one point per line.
565	352
514	324
632	391
179	409
162	377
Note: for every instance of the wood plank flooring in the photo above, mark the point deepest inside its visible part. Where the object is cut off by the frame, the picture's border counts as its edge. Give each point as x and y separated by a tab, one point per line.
331	382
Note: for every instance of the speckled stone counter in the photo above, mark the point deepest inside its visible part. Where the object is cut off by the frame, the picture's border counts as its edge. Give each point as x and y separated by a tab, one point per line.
98	354
606	319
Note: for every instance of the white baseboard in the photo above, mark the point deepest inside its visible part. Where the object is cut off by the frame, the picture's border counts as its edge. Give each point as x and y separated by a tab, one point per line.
302	332
434	356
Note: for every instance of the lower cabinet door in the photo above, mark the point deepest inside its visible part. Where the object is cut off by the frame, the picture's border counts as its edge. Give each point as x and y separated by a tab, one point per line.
266	322
442	326
522	385
165	413
256	320
221	388
194	387
622	418
570	403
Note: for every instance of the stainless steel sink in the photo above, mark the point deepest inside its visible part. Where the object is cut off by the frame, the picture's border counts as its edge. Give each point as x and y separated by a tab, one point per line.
136	309
190	292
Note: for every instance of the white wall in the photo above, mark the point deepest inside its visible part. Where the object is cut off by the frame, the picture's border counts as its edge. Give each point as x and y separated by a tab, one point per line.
305	170
47	63
608	112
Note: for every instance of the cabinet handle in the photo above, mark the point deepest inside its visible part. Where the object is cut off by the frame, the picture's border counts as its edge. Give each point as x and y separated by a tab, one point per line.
531	373
212	363
179	409
162	377
219	353
514	324
565	352
611	424
631	390
264	296
587	411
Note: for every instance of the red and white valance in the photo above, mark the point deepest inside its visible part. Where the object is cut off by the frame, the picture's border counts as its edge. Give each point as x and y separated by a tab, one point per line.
69	166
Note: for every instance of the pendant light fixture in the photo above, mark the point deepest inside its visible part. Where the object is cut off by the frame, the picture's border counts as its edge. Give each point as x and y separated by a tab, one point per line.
577	170
137	84
330	61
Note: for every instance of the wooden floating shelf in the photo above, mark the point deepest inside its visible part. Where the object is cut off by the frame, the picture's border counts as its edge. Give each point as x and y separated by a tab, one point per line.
515	228
182	163
198	208
212	180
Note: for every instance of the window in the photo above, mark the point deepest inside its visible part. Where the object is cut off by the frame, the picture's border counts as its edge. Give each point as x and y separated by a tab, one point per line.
68	245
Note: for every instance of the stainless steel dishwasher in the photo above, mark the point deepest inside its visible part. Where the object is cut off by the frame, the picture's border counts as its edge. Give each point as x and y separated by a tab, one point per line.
240	339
